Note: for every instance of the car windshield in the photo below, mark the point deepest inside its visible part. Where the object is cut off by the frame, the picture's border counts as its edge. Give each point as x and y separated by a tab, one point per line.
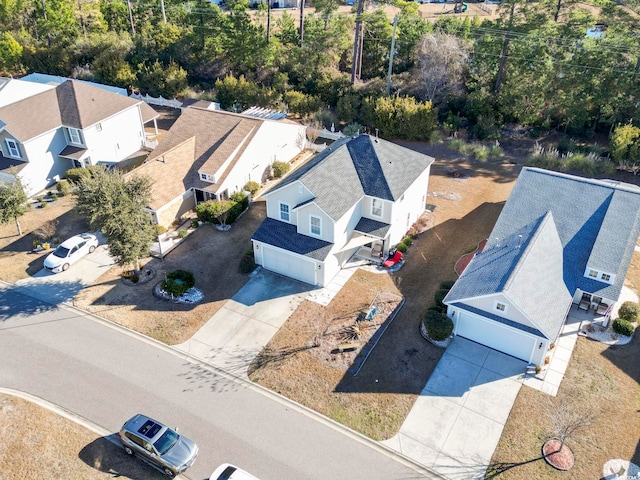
167	440
61	252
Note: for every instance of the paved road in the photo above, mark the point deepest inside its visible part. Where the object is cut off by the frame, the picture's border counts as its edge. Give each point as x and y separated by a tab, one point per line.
105	374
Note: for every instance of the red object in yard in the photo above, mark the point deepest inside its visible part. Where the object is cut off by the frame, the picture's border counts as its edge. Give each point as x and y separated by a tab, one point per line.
391	261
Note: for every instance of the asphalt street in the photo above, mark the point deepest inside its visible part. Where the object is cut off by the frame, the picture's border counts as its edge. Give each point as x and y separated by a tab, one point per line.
106	374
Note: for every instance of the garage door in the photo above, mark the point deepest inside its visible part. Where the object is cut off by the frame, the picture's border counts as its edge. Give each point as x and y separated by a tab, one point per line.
495	335
290	265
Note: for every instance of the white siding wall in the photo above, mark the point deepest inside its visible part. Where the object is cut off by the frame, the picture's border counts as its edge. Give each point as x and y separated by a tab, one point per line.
292	194
121	136
487	304
45	168
406	211
272	141
303	222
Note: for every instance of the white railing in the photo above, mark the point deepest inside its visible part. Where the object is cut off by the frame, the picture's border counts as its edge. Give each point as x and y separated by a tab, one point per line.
315	147
160	101
324	133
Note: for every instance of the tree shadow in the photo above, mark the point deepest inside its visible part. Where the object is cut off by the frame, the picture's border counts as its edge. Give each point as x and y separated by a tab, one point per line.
496	469
13	303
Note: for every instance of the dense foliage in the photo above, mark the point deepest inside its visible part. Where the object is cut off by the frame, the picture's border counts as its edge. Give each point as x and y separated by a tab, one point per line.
13	201
438	326
178	282
534	65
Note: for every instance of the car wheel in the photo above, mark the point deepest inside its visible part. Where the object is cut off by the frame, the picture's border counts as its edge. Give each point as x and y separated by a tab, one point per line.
92	249
65	267
168	472
128	450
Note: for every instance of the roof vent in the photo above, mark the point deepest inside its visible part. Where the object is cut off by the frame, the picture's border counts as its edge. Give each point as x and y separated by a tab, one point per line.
519	240
376	140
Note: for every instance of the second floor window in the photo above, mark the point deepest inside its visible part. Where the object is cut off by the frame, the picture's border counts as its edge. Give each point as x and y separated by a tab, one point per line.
315	225
12	148
284	212
605	277
376	207
75	136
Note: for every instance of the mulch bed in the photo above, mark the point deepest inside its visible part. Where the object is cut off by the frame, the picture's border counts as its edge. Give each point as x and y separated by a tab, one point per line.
464	260
561	460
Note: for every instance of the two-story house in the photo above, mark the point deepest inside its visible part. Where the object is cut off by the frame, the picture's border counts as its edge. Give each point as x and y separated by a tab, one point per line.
71	125
360	194
561	242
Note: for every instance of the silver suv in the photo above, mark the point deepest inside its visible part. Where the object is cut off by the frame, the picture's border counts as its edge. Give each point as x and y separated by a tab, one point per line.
158	445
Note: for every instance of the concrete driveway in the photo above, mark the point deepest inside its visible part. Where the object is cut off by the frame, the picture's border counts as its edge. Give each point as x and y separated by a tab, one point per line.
238	332
456	422
61	287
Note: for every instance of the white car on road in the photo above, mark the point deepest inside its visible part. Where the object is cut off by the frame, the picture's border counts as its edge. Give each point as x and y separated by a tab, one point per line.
226	471
70	251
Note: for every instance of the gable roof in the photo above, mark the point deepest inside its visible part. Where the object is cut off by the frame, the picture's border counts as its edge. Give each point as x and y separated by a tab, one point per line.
13	90
285	235
72	104
200	140
356	166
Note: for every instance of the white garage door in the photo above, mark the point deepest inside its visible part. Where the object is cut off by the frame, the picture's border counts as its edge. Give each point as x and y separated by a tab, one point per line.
495	335
289	265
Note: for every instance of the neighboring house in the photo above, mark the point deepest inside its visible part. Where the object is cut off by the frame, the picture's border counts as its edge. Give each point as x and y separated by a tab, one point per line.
560	240
71	125
210	154
55	80
359	196
12	90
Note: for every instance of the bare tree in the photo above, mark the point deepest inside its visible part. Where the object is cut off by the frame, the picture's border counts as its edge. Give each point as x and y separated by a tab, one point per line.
568	417
313	130
441	63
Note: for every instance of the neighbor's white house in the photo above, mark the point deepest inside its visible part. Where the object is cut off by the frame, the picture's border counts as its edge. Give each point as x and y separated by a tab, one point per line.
70	125
357	197
211	154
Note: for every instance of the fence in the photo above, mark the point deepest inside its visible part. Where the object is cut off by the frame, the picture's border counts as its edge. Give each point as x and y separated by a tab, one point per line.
159	101
324	133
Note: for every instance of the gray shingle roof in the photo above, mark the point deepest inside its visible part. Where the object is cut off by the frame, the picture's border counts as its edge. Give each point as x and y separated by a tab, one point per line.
284	235
372	227
353	167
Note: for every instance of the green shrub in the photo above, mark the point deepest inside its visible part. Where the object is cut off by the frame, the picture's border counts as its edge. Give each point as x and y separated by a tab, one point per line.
182	233
280	168
63	187
447	284
160	229
178	282
43	204
439	296
247	263
252	187
195	223
436	308
623	327
438	326
434	137
456	144
36	243
629	311
54	197
407	240
401	247
40	199
75	175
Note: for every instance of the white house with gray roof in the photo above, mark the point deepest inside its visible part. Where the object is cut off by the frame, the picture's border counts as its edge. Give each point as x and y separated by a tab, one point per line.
359	196
560	241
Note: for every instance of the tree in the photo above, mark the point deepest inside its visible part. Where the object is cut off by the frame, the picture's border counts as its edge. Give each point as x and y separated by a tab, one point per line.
567	417
13	201
115	204
625	146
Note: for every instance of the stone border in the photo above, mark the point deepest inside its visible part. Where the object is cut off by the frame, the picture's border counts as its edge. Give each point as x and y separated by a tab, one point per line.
438	343
143	278
183	299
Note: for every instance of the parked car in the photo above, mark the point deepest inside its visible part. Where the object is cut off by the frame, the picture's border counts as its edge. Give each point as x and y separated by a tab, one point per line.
226	471
158	445
70	251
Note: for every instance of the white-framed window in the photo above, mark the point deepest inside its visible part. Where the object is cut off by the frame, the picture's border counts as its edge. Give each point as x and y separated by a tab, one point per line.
284	212
500	307
605	277
376	207
203	176
593	273
75	136
315	225
98	127
12	148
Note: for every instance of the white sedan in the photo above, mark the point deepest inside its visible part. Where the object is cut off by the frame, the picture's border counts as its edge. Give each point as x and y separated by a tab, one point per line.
70	251
226	471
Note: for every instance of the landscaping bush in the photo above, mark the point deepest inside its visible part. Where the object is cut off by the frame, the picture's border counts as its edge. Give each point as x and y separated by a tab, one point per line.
160	229
75	175
280	168
64	188
407	240
439	327
178	282
247	263
182	233
195	224
401	247
623	327
447	284
439	296
252	187
629	311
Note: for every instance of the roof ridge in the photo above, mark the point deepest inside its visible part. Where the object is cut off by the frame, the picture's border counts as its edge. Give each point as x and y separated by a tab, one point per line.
606	183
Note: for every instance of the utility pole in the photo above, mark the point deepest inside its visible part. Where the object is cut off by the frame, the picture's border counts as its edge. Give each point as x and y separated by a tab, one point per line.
301	21
164	14
82	24
268	21
44	10
505	49
357	45
133	28
392	52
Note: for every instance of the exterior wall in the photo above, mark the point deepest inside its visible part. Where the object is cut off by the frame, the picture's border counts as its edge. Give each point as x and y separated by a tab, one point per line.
121	135
487	304
386	210
406	210
175	209
292	194
45	168
273	141
304	222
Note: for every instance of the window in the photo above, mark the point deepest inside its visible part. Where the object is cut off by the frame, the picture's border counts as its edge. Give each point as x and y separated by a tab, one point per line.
203	176
605	277
315	225
376	207
75	136
12	147
284	212
501	307
593	273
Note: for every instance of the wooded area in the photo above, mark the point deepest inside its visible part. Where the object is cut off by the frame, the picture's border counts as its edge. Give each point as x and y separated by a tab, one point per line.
534	65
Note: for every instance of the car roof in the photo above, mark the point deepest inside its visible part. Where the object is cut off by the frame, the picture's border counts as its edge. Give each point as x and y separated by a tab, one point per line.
75	240
226	471
145	426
